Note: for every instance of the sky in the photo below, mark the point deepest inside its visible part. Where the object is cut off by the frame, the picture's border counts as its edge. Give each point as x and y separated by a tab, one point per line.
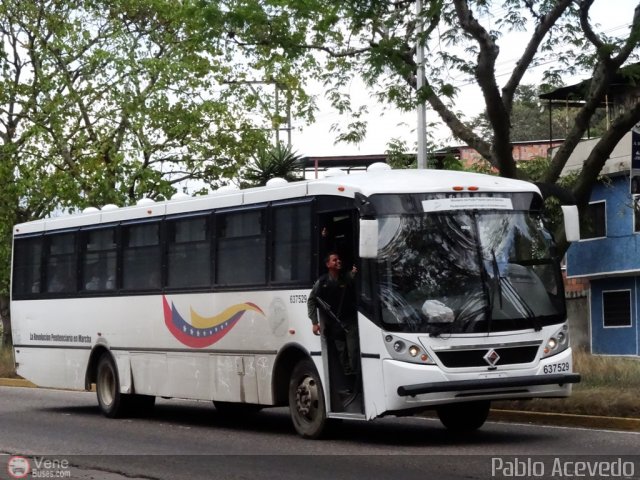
385	123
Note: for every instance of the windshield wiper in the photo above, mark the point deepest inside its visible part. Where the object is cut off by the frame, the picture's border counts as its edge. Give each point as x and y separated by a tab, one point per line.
496	276
519	303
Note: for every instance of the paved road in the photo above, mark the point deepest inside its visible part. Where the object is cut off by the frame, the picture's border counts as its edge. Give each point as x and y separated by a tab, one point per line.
191	440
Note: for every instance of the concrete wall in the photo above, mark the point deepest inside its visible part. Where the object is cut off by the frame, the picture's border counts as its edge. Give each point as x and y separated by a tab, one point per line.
579	321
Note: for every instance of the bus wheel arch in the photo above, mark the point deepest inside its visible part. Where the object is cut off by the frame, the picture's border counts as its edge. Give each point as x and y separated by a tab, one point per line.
92	366
103	371
285	362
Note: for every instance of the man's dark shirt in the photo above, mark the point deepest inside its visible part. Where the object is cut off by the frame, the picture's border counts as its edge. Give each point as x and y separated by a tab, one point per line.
339	294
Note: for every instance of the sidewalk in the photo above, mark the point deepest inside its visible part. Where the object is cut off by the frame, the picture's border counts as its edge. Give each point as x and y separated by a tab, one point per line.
496	415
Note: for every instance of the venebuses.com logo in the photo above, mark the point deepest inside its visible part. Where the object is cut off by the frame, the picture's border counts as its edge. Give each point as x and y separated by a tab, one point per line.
38	467
18	467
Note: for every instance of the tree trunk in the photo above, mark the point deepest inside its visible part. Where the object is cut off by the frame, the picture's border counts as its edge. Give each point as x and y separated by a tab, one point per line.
6	321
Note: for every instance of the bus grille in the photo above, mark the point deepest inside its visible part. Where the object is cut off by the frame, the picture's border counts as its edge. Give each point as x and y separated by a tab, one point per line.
475	358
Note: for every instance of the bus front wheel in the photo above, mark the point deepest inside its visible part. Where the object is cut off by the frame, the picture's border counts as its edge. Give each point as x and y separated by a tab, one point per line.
464	417
306	400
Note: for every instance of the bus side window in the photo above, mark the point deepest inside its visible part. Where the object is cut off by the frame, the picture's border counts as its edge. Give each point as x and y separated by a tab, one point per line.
241	253
61	264
141	257
292	246
99	259
188	253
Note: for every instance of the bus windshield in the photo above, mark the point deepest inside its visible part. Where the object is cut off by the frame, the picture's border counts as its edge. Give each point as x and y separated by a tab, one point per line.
467	272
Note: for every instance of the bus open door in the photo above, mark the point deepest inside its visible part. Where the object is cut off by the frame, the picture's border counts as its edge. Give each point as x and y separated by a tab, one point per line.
344	392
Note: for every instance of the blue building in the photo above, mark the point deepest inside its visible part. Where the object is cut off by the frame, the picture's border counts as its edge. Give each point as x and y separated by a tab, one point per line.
608	255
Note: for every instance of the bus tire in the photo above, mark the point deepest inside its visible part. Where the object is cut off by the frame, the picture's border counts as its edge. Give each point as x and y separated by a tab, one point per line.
112	403
464	417
306	400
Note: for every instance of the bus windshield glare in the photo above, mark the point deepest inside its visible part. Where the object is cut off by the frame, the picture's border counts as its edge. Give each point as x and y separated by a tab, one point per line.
467	272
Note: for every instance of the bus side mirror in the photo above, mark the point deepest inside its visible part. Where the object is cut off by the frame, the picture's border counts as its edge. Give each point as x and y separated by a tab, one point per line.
571	222
368	247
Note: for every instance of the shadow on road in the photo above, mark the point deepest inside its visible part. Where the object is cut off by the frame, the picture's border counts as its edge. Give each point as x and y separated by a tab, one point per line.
390	431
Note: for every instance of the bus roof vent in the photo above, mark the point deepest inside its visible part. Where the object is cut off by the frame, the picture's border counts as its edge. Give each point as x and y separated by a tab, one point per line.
378	167
90	210
144	201
108	207
276	182
179	196
334	172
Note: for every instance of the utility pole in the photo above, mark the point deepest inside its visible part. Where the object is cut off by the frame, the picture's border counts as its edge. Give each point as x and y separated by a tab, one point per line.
275	119
422	109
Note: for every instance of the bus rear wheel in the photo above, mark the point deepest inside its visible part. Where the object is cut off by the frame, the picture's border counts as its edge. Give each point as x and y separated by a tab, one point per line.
464	417
306	400
111	401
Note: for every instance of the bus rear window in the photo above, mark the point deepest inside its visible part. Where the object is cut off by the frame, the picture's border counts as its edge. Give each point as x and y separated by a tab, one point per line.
27	266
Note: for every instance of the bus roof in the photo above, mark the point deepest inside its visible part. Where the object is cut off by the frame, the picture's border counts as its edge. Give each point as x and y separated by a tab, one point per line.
369	183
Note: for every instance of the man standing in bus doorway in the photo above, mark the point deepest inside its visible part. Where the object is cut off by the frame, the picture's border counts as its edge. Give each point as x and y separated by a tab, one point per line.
335	295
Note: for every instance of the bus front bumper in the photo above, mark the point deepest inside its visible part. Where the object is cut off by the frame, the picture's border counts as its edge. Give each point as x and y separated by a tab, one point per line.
485	384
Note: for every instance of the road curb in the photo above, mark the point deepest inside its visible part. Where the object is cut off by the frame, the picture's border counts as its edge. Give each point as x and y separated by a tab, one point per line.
16	382
566	420
496	415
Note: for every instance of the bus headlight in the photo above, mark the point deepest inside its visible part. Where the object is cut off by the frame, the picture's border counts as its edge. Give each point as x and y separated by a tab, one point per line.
414	351
558	342
406	351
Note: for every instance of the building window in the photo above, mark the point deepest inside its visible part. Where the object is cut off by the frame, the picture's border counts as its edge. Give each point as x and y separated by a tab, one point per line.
616	308
593	223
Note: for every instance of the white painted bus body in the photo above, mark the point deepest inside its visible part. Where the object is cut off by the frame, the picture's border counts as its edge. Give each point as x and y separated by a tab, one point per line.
238	367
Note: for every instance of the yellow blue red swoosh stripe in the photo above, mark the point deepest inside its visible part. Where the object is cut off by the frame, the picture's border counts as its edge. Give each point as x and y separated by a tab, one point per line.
204	331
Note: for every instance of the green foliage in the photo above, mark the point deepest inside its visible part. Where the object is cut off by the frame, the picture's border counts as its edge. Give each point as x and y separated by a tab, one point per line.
451	162
107	102
276	162
377	41
530	118
397	156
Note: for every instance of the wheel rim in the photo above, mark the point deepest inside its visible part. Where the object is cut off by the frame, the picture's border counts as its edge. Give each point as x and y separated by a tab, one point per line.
106	385
307	399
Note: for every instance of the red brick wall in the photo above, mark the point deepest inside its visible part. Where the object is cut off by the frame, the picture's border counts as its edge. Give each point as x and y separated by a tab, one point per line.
575	287
521	151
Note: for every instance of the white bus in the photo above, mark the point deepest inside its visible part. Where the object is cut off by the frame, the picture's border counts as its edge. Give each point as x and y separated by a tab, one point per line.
459	295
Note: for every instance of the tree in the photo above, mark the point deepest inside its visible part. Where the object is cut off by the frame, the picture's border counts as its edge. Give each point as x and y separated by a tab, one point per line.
530	118
279	161
377	40
109	101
